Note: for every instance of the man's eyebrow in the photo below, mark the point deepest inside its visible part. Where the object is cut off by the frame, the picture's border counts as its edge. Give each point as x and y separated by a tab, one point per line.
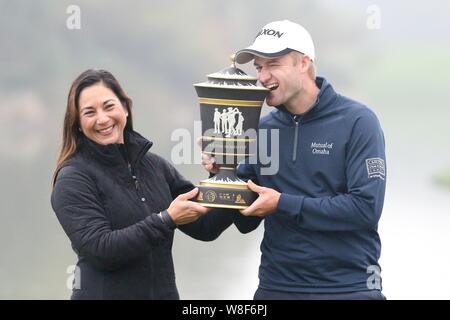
274	60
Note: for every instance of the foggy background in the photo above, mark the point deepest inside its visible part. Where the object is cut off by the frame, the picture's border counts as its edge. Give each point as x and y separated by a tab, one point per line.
392	56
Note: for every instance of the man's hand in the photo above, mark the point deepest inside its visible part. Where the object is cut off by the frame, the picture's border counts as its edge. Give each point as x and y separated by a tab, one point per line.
209	163
265	204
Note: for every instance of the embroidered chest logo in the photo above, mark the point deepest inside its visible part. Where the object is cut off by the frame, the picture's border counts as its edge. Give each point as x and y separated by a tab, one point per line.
321	148
375	168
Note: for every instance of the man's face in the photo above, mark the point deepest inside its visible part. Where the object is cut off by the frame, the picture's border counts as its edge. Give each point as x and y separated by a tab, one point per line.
282	76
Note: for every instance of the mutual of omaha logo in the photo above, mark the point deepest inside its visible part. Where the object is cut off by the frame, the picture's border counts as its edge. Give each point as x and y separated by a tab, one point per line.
376	168
321	148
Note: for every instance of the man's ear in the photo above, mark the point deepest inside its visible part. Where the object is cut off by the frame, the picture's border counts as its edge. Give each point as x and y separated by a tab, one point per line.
305	63
302	61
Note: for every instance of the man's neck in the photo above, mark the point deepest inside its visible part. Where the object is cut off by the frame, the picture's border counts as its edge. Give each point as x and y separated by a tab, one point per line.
306	99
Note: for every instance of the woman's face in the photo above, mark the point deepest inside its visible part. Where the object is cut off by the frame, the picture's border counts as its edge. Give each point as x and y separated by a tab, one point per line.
102	115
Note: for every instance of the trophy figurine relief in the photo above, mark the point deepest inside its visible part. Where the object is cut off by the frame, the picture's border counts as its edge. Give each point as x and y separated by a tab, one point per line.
230	107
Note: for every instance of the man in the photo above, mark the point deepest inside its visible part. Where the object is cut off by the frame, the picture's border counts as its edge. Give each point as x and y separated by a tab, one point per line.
321	209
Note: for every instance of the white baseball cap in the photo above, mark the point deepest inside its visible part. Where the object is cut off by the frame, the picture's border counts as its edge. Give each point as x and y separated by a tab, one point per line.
276	39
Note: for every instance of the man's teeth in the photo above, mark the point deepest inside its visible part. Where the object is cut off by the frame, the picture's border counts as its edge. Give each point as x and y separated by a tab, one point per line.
272	86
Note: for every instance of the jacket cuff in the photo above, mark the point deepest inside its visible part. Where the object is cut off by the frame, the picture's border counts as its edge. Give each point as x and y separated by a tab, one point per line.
167	219
291	204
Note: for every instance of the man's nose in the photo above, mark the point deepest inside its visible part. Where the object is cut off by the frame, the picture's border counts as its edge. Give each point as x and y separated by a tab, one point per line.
263	76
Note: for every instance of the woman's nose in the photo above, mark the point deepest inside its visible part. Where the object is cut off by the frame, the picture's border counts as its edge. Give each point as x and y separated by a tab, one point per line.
102	118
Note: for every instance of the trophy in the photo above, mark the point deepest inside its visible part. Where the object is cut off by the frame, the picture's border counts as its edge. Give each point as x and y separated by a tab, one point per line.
230	107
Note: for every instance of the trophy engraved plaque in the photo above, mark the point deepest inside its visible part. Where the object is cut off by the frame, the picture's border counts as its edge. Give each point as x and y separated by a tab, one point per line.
230	107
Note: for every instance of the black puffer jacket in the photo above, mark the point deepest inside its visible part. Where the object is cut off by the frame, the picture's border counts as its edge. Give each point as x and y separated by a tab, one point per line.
108	208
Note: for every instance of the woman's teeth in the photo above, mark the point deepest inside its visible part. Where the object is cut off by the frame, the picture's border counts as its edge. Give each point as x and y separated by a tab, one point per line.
106	130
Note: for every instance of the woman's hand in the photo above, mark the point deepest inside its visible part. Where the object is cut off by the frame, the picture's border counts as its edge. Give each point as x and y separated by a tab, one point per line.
183	211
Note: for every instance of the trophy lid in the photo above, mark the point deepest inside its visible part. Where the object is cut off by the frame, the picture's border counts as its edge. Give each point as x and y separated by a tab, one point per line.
231	77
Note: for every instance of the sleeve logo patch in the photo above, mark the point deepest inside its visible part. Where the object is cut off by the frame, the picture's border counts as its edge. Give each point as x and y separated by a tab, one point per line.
375	168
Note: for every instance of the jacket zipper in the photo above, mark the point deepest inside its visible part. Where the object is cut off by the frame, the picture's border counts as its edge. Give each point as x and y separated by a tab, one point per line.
136	183
294	149
135	179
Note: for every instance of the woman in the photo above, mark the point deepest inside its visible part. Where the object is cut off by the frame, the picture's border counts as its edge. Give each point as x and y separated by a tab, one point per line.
118	204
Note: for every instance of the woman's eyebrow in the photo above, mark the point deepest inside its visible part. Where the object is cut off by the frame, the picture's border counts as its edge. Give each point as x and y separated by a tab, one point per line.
107	101
85	108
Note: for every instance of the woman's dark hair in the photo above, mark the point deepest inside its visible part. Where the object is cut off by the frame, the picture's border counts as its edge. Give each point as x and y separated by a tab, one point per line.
71	134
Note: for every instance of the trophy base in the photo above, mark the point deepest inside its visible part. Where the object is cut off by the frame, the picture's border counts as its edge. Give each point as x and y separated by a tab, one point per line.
231	196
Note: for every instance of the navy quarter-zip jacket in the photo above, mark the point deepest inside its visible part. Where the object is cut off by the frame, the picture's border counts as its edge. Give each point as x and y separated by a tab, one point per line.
332	177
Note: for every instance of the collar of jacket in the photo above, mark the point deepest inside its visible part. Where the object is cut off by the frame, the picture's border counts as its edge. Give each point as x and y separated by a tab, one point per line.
323	104
136	145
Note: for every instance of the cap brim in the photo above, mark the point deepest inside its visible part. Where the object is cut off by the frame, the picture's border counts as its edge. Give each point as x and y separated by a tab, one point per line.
246	55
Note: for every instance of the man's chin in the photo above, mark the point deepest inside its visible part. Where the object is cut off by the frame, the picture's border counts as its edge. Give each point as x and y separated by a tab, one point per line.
271	103
271	100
